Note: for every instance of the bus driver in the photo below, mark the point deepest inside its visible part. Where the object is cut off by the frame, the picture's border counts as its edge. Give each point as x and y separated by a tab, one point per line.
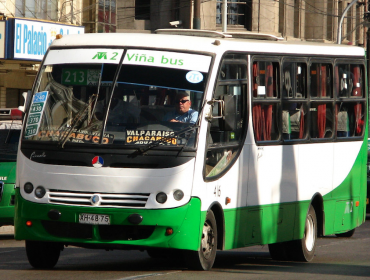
183	112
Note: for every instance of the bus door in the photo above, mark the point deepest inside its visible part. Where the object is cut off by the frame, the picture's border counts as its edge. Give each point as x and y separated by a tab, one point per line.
226	134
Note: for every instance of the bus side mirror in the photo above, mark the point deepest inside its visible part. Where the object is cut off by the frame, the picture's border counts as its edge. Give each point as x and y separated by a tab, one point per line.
27	99
226	112
228	122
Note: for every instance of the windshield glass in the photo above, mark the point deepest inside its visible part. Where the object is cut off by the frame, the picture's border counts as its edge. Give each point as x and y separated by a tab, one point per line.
10	129
86	96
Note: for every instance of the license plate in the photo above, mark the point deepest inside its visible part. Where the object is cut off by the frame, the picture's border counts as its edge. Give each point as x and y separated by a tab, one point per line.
94	219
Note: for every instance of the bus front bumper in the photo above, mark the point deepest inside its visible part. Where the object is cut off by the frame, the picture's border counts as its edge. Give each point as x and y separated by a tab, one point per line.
33	221
7	205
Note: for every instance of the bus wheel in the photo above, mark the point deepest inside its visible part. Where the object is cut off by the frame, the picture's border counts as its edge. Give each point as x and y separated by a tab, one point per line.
43	255
346	234
304	249
205	257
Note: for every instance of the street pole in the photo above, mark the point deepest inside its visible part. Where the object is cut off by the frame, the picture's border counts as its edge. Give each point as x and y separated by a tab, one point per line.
224	16
339	35
196	19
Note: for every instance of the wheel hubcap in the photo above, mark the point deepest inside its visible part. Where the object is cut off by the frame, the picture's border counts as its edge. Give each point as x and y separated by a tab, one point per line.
208	240
310	233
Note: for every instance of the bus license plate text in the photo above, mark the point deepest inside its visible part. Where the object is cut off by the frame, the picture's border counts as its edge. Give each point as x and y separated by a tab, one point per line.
94	219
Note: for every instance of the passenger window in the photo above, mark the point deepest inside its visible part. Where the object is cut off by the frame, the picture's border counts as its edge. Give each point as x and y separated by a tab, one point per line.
321	120
265	100
294	80
265	79
350	106
294	120
321	110
350	119
321	80
294	103
349	80
226	130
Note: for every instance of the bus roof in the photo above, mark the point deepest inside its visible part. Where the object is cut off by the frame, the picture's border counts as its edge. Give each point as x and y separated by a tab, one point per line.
208	44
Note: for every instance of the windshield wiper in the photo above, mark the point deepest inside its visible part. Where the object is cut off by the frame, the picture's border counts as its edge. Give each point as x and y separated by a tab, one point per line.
76	121
154	144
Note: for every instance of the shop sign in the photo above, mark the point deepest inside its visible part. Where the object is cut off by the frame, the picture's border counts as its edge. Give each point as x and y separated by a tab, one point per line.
32	38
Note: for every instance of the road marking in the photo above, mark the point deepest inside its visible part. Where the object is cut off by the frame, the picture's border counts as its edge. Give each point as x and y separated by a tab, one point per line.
146	275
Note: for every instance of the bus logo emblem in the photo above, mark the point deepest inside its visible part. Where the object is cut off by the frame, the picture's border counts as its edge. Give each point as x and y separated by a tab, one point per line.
95	200
100	55
97	161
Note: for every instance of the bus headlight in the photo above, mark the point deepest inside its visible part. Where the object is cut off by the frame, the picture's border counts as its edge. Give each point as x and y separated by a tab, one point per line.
161	197
28	187
178	195
40	192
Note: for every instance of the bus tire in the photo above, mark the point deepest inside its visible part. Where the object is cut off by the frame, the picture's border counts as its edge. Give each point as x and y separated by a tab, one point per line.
304	249
204	258
43	255
346	234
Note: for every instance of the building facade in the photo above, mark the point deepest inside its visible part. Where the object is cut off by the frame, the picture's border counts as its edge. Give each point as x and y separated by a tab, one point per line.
314	20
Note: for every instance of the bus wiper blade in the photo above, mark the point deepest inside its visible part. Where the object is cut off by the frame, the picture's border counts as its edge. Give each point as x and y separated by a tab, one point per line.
76	121
154	144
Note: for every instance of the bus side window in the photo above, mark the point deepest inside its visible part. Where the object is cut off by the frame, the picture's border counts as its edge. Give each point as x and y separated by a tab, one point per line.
224	139
294	103
350	110
265	100
322	123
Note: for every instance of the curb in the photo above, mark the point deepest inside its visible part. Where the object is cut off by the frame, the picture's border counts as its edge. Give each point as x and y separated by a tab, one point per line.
7	230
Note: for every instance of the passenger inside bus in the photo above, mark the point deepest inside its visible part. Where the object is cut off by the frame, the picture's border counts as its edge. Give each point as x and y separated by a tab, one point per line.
183	112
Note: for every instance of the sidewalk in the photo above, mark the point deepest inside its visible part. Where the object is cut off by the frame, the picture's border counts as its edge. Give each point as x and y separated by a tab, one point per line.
7	230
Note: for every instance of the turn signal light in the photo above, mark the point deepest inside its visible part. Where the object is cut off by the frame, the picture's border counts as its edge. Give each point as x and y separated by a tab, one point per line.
29	223
357	203
58	36
228	200
169	231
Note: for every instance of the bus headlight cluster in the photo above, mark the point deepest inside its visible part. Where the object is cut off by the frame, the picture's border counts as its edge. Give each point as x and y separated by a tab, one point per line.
28	187
39	191
161	197
178	195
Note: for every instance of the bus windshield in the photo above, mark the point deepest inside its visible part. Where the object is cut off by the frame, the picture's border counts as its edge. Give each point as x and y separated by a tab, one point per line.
10	128
90	96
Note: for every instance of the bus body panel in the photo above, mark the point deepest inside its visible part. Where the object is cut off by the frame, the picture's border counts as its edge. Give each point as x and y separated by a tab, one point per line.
108	180
346	208
271	223
184	221
296	173
7	175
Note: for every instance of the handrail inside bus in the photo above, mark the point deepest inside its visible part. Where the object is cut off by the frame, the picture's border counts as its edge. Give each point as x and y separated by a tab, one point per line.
217	34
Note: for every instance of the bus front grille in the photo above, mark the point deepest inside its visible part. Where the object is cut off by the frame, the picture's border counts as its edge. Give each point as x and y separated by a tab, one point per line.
122	232
106	232
116	200
68	230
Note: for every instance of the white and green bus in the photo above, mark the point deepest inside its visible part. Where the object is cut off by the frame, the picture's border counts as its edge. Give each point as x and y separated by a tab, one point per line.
10	130
276	155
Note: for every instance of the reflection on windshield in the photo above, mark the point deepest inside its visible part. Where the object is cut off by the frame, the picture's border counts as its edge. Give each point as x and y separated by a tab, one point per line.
9	139
146	105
